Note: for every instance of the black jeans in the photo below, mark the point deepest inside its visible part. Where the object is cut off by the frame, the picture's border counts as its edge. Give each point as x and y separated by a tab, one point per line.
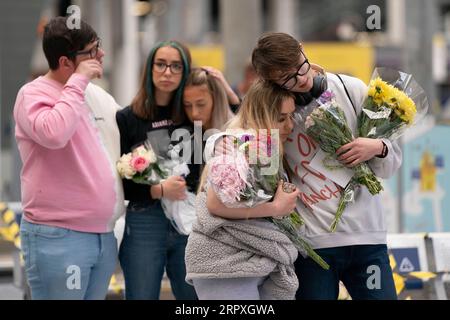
364	270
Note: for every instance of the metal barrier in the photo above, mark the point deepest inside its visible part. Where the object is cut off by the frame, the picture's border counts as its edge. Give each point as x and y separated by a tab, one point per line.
424	256
440	243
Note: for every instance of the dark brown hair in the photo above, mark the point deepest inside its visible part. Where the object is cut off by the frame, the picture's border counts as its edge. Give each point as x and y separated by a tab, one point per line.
275	52
144	103
59	40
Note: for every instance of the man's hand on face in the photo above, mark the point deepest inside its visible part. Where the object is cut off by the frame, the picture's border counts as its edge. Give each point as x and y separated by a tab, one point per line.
359	150
90	68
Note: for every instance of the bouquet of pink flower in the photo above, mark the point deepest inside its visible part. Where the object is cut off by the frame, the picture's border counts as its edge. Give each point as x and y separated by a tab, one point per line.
142	166
249	176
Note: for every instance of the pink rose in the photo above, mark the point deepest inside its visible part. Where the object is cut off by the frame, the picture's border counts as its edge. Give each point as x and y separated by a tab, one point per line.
139	163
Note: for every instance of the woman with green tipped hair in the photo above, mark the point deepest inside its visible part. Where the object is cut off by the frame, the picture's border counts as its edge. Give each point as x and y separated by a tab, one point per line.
150	244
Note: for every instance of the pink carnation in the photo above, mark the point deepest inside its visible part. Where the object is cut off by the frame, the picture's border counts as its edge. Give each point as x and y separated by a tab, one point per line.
228	177
139	163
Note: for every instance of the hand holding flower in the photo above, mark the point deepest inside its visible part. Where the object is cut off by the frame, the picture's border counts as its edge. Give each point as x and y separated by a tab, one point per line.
284	203
358	151
141	166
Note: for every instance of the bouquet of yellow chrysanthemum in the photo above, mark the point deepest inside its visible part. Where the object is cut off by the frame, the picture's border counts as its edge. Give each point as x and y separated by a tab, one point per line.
394	102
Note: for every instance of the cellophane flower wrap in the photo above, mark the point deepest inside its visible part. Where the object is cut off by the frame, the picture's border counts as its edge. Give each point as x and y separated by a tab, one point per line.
173	156
145	166
327	126
394	103
249	176
141	165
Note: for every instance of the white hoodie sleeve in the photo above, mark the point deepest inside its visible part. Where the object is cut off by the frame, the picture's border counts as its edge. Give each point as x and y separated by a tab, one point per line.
386	167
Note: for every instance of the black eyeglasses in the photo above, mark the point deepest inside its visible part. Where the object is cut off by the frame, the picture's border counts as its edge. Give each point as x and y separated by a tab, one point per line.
175	68
291	81
92	52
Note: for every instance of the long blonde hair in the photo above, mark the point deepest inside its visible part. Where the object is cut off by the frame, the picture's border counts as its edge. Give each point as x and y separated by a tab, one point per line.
260	109
221	112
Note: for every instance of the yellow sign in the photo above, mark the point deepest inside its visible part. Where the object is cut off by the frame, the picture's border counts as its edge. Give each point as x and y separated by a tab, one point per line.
352	59
208	56
400	281
348	58
9	228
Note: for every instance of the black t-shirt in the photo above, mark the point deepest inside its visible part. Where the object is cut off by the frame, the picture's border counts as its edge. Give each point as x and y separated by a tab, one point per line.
134	131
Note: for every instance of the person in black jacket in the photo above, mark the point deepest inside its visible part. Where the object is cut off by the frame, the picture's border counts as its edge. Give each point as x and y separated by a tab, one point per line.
150	243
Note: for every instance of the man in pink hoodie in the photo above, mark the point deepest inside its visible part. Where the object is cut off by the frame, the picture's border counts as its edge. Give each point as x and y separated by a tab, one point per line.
71	197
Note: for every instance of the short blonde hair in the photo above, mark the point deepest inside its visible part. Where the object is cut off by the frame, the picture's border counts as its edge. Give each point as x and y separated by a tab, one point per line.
261	107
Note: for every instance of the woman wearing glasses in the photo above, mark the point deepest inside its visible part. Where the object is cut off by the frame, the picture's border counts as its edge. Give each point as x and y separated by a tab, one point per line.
150	244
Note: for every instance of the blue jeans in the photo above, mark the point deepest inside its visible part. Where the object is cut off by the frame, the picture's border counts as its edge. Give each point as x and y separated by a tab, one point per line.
363	269
149	245
67	264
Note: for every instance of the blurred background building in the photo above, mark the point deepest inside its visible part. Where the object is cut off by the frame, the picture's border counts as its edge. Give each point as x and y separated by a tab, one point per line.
346	36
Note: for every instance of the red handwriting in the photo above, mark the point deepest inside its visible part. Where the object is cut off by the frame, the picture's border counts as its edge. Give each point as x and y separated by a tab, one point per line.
308	170
326	193
305	144
330	190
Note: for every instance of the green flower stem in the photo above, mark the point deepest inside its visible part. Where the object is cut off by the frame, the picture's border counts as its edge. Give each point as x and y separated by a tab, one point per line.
346	197
287	226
